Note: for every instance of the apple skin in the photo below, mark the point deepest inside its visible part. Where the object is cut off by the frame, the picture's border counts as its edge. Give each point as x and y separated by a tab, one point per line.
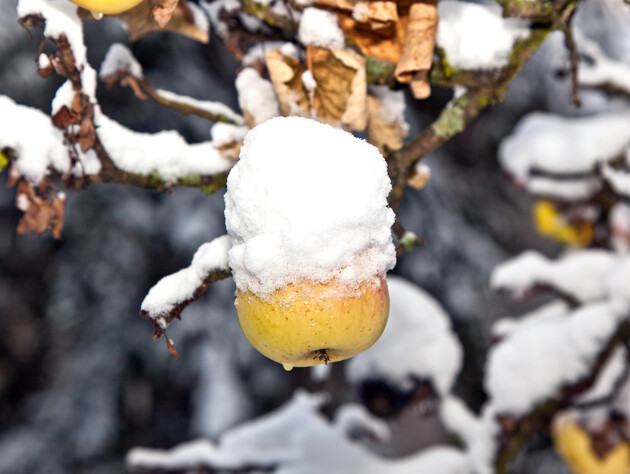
573	444
108	7
308	324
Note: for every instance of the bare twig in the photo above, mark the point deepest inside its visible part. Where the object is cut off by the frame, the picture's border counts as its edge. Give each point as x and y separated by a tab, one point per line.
574	59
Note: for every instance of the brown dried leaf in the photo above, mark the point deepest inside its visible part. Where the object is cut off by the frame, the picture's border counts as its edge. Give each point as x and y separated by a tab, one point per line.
383	133
377	14
341	92
163	11
420	177
285	73
384	43
40	214
146	18
417	54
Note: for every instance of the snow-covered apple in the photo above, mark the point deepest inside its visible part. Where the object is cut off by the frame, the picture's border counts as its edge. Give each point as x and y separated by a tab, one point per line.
307	213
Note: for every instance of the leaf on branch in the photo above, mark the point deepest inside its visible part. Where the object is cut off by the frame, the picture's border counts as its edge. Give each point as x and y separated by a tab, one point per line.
81	113
40	213
384	43
375	14
341	92
420	177
550	222
417	54
285	73
383	131
163	15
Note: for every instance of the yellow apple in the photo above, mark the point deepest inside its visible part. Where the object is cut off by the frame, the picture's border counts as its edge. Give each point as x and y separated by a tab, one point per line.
573	444
309	323
108	7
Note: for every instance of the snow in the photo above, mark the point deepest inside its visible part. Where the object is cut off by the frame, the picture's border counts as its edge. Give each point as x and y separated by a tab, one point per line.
619	222
256	96
476	36
257	52
63	97
295	439
580	274
119	57
354	420
216	108
532	364
417	343
568	190
563	145
199	17
601	69
226	133
307	201
19	125
308	80
393	105
61	19
165	153
320	28
619	180
617	285
43	61
180	286
552	311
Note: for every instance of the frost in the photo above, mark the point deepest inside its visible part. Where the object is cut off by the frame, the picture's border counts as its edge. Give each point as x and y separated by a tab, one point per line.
477	36
180	286
307	201
417	343
320	28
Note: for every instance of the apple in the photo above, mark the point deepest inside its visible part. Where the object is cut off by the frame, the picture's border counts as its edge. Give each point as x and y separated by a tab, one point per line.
574	445
311	323
108	7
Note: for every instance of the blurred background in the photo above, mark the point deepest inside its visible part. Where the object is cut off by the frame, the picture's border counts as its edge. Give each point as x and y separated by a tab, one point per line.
81	381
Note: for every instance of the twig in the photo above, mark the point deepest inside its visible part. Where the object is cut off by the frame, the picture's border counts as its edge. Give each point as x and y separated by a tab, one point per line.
574	59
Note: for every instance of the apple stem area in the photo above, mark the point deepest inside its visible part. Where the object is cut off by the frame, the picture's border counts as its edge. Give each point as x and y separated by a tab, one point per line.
322	356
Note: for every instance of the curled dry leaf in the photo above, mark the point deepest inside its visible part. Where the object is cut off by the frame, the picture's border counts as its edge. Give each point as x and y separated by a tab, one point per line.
374	13
81	113
285	73
165	15
341	92
40	213
383	132
417	54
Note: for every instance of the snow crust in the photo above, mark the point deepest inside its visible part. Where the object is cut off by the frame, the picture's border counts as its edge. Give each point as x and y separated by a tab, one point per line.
34	157
476	36
580	274
532	364
417	342
307	201
119	57
320	28
256	96
180	286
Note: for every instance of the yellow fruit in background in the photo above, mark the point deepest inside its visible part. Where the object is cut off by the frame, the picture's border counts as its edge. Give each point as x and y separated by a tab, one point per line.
109	7
551	223
573	444
312	323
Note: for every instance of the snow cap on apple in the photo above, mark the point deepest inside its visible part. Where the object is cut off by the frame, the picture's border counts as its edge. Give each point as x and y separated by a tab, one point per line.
306	209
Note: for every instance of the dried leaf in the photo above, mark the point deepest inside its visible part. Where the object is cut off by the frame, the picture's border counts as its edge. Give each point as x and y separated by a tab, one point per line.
421	176
377	14
167	15
163	11
384	43
381	132
417	54
341	92
285	73
40	214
